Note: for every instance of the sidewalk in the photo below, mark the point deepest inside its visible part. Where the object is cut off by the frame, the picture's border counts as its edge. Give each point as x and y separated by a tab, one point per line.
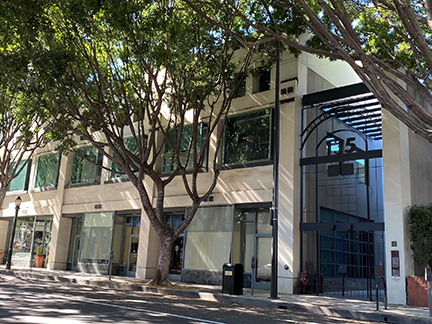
323	305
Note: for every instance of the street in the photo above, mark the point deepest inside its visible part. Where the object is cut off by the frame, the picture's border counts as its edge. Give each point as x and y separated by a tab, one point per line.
33	301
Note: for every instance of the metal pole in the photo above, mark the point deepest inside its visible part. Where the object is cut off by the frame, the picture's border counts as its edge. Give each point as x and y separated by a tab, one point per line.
110	264
428	277
9	257
253	266
275	202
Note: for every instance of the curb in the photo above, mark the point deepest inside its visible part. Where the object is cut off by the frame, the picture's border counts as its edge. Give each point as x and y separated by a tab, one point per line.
373	316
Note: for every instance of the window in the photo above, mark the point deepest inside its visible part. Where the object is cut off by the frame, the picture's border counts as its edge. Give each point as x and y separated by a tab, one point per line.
47	171
130	144
169	159
241	90
248	137
261	81
96	237
84	171
20	182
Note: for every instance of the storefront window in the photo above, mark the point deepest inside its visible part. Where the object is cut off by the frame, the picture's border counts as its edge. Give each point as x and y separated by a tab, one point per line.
248	137
96	237
84	171
22	245
20	182
47	171
209	236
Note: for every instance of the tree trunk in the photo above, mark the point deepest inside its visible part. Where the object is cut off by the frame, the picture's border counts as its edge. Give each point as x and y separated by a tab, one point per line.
162	270
2	195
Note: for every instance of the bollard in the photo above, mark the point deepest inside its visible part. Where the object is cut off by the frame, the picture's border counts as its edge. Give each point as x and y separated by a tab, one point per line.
377	293
110	264
428	277
253	266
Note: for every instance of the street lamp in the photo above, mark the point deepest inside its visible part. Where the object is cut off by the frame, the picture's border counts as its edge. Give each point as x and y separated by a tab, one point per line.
9	257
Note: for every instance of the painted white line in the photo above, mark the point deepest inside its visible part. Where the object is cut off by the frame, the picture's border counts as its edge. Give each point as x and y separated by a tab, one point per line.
151	312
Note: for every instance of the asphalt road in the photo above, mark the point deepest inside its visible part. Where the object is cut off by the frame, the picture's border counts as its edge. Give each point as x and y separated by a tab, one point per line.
47	302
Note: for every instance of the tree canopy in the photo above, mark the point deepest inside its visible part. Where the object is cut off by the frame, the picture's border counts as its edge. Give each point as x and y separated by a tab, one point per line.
146	83
387	43
24	121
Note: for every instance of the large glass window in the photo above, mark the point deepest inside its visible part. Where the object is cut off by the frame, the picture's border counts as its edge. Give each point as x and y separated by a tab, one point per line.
20	182
248	137
209	235
84	171
47	171
131	145
96	237
169	158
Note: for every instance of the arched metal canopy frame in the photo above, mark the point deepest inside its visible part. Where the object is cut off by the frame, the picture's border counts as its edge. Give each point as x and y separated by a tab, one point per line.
353	105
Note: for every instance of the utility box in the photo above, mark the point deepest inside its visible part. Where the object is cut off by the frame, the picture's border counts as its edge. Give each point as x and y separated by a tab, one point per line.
232	279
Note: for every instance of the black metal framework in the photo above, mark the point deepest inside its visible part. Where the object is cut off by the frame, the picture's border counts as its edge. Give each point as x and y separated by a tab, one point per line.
342	218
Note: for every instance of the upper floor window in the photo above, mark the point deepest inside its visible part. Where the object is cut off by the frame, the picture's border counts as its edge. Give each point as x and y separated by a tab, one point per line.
20	182
84	171
47	171
241	89
131	145
169	158
248	137
261	81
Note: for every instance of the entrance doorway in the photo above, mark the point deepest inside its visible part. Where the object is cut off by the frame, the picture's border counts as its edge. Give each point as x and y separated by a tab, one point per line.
120	236
74	244
130	242
252	237
342	210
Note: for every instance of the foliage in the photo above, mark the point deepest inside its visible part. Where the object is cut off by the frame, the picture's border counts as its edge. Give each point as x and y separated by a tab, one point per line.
385	42
39	250
420	224
24	122
150	71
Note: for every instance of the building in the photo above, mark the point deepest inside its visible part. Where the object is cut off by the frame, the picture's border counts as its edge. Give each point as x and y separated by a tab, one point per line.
347	172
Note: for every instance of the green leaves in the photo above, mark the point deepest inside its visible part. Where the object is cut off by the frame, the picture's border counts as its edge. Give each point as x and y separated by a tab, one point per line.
420	224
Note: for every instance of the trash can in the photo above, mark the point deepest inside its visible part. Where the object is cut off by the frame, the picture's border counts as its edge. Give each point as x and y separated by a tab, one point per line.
232	279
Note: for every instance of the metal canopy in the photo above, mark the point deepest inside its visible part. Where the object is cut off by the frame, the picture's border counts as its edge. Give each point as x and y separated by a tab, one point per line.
354	105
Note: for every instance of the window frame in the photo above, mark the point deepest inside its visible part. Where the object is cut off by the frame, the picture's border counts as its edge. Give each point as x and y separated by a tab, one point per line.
166	163
27	170
51	187
121	177
98	168
254	162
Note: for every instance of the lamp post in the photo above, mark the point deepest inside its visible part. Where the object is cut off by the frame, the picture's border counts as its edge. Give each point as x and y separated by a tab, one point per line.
9	257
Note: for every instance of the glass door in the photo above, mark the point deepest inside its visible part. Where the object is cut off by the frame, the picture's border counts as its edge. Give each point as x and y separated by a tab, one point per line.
74	244
75	253
133	254
129	255
263	255
252	238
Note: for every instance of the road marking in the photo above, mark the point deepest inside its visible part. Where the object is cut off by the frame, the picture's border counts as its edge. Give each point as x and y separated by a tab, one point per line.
151	312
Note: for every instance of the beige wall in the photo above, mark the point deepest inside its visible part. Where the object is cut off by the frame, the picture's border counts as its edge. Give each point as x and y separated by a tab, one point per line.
242	185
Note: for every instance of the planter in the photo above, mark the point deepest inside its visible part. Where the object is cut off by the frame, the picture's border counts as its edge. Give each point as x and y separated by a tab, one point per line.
39	261
417	291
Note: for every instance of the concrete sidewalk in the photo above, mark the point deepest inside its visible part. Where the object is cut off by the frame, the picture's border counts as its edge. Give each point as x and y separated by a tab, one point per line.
322	305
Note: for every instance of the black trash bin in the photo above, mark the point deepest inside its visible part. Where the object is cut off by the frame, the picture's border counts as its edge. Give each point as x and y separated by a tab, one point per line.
232	279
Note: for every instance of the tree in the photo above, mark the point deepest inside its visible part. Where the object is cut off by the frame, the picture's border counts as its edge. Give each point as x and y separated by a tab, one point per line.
387	43
152	72
24	123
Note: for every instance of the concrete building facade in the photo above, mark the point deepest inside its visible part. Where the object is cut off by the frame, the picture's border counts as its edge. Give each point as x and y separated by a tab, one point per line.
79	213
